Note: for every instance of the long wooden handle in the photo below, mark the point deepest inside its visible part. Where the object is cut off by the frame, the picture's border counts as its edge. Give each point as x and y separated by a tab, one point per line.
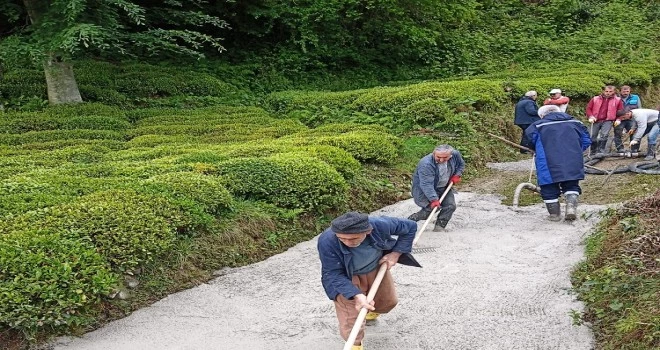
419	233
363	312
512	143
379	278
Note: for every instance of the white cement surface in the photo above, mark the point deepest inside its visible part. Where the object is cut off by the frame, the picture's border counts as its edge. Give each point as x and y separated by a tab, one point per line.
498	279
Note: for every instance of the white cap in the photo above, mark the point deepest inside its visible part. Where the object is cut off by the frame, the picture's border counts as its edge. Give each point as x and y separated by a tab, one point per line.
555	91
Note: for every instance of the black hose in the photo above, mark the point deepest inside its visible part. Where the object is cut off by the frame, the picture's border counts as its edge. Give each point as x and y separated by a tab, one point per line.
647	168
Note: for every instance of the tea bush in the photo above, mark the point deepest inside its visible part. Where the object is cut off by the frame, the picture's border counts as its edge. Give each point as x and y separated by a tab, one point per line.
50	281
289	181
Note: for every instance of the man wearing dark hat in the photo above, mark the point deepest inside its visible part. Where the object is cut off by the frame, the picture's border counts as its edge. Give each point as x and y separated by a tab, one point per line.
351	251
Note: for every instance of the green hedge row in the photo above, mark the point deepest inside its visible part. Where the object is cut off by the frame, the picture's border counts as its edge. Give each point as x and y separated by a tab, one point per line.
160	116
54	135
21	123
286	180
127	84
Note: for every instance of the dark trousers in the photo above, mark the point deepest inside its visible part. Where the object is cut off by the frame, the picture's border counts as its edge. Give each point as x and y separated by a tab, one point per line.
600	132
524	141
626	125
551	192
447	206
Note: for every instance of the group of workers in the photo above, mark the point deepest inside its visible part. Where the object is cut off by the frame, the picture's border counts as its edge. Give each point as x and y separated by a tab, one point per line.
622	112
355	245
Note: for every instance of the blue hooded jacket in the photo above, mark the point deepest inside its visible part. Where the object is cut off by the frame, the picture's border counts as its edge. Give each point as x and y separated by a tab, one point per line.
558	140
336	272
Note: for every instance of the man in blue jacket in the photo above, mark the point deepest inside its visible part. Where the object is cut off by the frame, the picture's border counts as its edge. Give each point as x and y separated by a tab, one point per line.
433	174
630	102
525	115
351	251
559	141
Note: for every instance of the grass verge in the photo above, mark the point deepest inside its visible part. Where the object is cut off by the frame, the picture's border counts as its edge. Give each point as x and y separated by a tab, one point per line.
620	279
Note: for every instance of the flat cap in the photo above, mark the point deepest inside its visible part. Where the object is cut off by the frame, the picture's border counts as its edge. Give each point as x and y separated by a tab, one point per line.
351	222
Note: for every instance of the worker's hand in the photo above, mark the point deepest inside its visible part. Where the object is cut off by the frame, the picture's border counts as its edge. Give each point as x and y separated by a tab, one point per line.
633	143
631	132
455	179
617	123
390	259
435	203
361	302
592	120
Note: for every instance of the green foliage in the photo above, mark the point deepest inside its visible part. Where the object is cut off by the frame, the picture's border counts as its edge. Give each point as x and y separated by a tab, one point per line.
54	135
205	191
127	228
618	281
50	281
74	28
289	181
362	145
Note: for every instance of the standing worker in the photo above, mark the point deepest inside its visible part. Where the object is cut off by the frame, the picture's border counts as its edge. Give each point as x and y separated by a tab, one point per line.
644	120
630	101
525	115
351	251
558	141
557	99
433	174
601	111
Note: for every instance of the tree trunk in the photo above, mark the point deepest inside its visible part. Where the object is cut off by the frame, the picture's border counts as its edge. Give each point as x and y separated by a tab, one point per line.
62	86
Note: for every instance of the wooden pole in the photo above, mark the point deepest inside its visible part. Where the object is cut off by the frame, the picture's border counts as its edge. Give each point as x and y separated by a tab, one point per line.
512	143
363	312
379	278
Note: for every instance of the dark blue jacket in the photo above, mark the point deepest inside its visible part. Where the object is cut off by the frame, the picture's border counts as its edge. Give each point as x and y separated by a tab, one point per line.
558	141
425	177
526	111
336	274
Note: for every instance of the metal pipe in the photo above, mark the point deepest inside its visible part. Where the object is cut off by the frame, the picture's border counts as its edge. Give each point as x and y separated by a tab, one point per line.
527	185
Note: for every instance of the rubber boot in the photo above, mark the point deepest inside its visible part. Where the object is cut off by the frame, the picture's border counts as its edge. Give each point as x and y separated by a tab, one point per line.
602	144
420	215
571	206
371	317
357	347
554	209
440	225
650	153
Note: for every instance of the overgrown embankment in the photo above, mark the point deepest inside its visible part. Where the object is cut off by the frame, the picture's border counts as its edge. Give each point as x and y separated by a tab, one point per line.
620	279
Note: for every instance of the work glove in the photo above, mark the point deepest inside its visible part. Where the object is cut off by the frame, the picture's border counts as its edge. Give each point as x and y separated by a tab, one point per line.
455	179
631	132
435	203
633	143
617	123
592	120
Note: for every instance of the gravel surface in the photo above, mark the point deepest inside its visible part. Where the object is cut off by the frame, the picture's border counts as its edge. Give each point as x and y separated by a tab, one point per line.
498	278
521	165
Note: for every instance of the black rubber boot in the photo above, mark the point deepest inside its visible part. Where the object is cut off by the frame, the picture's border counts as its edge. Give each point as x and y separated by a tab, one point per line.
440	225
571	206
420	215
650	153
554	209
602	144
